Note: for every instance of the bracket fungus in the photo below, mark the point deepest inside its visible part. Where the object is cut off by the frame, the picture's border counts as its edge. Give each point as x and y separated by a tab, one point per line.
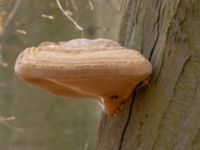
85	69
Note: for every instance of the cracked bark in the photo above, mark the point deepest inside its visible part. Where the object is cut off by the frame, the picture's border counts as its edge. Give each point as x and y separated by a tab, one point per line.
165	114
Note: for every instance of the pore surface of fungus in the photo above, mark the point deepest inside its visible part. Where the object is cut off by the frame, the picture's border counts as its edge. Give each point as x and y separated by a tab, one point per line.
85	69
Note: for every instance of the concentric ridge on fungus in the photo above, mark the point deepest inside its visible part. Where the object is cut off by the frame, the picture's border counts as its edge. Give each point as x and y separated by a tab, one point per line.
80	69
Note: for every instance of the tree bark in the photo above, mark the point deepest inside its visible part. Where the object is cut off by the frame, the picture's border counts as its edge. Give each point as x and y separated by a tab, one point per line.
165	114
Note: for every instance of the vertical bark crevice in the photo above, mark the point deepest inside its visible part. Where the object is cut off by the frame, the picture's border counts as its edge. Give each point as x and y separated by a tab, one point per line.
157	25
127	122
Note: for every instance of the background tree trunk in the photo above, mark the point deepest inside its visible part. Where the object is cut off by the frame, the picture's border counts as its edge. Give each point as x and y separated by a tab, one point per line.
166	114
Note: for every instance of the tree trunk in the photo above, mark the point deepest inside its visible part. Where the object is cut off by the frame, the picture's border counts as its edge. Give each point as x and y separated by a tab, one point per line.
166	113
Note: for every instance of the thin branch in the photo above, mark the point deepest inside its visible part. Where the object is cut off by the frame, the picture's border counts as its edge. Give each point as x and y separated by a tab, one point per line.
11	15
5	123
69	17
91	4
51	17
5	26
21	31
36	17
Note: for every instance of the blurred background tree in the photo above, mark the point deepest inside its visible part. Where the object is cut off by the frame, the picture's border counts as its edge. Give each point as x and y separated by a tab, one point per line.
30	119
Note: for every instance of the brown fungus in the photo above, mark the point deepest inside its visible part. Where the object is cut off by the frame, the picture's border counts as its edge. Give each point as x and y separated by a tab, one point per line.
85	69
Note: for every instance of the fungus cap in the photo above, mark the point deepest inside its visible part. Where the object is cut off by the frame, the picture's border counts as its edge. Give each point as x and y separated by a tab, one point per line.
80	69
